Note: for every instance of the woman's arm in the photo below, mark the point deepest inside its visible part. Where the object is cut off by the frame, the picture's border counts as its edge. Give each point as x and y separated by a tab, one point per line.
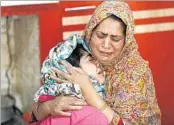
93	98
57	106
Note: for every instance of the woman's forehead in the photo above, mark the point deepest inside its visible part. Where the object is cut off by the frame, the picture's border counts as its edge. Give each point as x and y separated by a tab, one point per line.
110	26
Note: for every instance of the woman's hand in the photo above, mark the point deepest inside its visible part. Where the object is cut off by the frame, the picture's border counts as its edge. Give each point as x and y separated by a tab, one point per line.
57	106
74	75
61	104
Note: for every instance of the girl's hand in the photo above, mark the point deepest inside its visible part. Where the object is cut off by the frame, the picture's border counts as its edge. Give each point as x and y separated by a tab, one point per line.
74	75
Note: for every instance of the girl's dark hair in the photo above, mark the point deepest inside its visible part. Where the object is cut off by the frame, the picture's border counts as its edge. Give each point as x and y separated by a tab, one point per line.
114	17
74	58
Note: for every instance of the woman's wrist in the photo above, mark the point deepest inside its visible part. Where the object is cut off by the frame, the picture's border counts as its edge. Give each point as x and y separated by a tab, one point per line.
47	107
109	113
41	110
103	107
91	96
96	101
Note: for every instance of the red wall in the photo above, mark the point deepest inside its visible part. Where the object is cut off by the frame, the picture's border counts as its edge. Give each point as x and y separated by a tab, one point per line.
157	48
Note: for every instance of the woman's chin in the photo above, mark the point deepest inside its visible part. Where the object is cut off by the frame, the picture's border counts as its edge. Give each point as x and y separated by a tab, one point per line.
105	62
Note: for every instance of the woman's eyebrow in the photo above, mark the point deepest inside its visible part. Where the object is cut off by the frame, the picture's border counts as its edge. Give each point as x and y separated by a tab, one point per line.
102	32
116	36
107	34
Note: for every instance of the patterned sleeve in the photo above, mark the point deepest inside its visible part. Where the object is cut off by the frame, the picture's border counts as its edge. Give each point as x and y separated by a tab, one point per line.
48	63
139	106
49	85
116	120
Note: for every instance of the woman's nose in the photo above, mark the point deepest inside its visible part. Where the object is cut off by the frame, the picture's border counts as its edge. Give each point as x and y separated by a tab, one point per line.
107	43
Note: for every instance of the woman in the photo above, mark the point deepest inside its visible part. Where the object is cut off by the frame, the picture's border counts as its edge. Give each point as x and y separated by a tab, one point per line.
129	85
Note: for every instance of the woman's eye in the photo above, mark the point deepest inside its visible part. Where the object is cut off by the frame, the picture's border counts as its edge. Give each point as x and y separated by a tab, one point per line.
115	40
100	35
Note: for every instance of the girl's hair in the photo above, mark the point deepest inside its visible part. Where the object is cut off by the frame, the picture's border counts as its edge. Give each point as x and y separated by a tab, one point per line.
74	58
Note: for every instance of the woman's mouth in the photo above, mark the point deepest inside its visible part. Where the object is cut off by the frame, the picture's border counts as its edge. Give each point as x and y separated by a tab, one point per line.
106	53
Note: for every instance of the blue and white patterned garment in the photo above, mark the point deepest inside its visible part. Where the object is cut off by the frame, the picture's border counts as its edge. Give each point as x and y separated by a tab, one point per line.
61	52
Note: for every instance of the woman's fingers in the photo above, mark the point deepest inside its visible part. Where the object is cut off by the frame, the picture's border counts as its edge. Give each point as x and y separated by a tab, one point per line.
61	73
61	104
74	107
73	103
71	100
65	63
79	70
58	80
79	102
62	113
68	66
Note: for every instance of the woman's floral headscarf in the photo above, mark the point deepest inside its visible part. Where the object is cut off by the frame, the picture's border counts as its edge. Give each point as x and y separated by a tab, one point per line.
119	9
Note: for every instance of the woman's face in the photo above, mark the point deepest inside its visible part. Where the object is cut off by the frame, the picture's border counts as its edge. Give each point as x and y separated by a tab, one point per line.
107	40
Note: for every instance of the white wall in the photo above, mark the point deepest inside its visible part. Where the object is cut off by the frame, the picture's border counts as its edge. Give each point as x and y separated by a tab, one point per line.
25	70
